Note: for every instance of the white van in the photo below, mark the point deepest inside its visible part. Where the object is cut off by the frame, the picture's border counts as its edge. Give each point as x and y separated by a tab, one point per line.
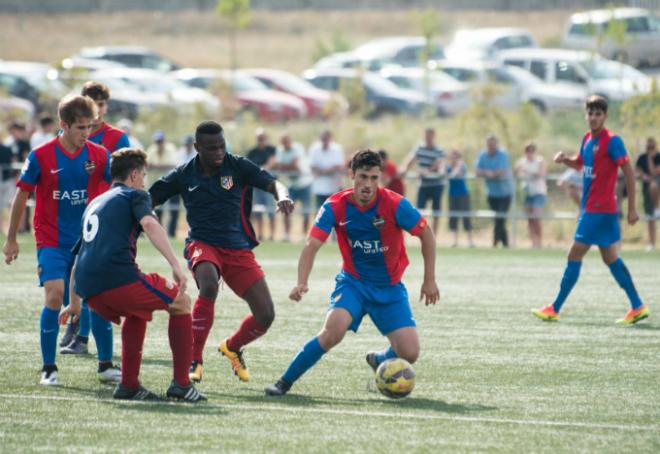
567	69
641	42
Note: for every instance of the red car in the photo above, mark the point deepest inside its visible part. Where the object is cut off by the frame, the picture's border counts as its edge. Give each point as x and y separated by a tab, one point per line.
316	100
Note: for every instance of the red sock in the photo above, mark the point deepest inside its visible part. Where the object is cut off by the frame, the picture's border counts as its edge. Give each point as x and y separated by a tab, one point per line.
202	321
246	333
180	333
132	340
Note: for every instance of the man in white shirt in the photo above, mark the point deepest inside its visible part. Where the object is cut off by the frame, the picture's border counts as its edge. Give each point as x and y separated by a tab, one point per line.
291	161
45	132
328	165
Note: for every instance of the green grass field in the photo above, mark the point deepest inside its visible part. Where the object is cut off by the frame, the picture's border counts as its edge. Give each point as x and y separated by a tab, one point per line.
491	378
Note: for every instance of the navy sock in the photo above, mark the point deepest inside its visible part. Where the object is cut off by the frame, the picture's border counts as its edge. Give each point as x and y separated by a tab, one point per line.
624	279
85	320
386	354
102	331
304	360
49	328
571	274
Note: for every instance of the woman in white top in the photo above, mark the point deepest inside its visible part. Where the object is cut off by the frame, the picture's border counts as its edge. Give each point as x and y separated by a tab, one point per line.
531	169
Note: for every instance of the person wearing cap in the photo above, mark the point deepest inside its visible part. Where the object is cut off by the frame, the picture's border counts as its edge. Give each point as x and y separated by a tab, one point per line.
162	157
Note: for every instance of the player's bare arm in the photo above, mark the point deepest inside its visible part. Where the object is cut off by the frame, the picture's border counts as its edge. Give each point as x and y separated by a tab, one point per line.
281	193
11	247
629	177
158	237
572	162
72	311
429	291
305	265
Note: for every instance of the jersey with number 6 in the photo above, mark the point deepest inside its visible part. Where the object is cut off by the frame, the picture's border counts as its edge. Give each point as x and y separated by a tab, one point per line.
108	243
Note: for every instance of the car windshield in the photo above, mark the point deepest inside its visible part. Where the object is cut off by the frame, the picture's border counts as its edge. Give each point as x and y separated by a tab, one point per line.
607	69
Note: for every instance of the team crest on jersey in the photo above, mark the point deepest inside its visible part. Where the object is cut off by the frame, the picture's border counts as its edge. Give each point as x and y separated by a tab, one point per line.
227	182
90	167
378	221
169	284
196	253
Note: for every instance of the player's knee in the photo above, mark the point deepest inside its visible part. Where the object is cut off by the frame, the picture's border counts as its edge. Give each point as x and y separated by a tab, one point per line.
266	317
180	305
209	289
54	299
328	338
409	353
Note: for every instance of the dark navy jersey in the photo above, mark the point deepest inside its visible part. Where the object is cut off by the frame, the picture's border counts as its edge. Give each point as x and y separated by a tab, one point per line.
217	206
107	247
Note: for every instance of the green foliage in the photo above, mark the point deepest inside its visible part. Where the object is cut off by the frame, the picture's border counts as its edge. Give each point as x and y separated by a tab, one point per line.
640	114
338	42
354	92
483	118
236	12
175	121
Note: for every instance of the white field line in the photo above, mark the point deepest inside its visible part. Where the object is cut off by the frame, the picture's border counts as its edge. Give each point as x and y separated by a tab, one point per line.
425	416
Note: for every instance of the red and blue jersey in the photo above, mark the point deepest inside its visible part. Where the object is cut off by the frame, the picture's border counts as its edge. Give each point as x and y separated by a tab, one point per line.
64	183
601	158
110	137
371	237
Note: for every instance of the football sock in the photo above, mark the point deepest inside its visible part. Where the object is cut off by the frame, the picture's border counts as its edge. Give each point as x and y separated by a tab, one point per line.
386	354
624	279
180	334
246	333
202	321
132	339
304	360
571	274
49	328
102	331
83	329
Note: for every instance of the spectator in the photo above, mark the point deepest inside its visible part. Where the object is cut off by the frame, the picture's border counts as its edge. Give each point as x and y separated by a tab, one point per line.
6	182
431	169
126	125
45	132
391	177
493	165
161	157
531	169
290	157
187	150
263	155
648	169
571	181
328	164
18	141
459	197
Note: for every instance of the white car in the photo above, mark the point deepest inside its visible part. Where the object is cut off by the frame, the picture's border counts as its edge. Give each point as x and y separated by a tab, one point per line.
485	43
569	68
446	94
545	96
641	39
397	50
162	87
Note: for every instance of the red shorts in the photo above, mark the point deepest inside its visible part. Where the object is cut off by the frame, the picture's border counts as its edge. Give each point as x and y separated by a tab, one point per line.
237	267
138	299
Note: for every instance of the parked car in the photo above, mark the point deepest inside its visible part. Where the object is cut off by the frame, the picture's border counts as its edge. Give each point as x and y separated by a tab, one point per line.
485	43
13	107
317	101
614	80
251	94
381	95
448	95
641	42
162	88
38	83
130	56
509	93
398	50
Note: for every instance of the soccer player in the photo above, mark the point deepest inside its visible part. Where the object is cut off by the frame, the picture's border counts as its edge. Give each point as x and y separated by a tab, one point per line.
107	276
369	222
601	154
112	139
66	172
216	188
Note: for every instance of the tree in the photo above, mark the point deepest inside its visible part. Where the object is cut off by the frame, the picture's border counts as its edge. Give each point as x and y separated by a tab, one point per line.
237	13
428	25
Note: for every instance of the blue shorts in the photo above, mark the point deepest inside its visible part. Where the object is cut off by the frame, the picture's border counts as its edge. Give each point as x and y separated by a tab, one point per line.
535	201
305	197
388	307
600	229
54	263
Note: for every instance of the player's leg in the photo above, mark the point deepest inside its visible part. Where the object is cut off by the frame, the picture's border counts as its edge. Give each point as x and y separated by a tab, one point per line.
49	329
207	276
337	322
638	310
570	277
253	326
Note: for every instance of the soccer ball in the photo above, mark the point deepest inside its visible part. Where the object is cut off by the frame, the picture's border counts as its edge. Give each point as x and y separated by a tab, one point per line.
395	378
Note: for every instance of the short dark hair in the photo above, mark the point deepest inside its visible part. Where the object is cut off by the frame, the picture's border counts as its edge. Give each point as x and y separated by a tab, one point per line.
365	159
383	155
96	90
74	107
45	120
596	102
208	128
125	160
